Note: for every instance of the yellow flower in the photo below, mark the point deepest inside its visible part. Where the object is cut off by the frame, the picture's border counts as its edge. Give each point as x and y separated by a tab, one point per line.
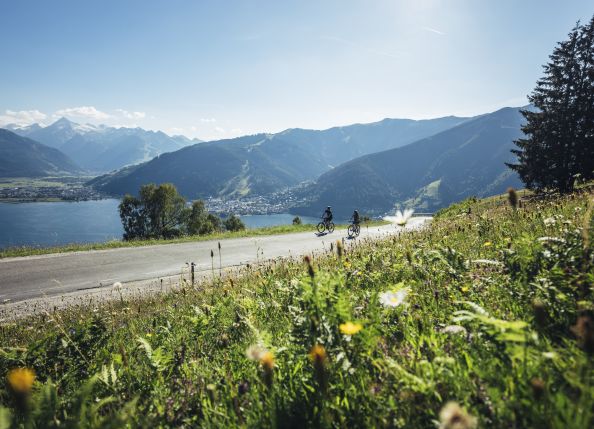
21	379
350	328
465	289
317	355
267	360
488	244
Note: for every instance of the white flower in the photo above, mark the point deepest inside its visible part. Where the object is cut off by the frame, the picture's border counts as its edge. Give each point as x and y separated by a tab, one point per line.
393	299
117	285
453	416
255	352
454	329
486	262
550	221
400	218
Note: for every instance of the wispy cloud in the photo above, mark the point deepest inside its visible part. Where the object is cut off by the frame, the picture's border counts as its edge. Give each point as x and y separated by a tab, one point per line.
131	115
207	120
86	112
371	50
21	117
434	30
220	130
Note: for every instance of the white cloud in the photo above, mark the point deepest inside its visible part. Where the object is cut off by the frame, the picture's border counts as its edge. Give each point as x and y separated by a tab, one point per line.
220	130
207	120
434	30
131	115
88	112
22	117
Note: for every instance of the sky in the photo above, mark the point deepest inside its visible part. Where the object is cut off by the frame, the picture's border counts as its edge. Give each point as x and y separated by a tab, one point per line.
217	69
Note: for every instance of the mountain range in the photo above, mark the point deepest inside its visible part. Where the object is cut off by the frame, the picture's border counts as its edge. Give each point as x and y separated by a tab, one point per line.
23	157
265	163
99	149
468	159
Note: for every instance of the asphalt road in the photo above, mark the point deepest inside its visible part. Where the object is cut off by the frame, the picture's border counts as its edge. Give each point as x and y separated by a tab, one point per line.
45	276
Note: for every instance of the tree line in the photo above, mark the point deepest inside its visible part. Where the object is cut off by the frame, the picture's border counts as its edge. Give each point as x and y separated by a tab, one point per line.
161	212
558	149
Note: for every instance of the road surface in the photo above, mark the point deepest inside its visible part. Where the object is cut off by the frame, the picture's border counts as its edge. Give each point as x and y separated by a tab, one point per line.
39	278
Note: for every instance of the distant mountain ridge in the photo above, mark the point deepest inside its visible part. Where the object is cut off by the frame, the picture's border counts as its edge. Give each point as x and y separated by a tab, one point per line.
23	157
101	148
265	163
465	160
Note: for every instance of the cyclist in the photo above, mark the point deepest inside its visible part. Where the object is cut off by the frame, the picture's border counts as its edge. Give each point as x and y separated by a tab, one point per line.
356	219
327	216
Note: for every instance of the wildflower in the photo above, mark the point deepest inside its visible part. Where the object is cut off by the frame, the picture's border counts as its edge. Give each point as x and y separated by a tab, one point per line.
318	358
540	312
267	362
584	331
465	289
486	262
538	388
21	380
453	416
339	248
401	218
393	299
317	355
255	352
310	269
487	244
350	328
512	197
454	329
117	286
550	221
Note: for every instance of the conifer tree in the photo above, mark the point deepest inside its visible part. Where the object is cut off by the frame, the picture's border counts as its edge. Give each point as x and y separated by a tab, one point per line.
559	128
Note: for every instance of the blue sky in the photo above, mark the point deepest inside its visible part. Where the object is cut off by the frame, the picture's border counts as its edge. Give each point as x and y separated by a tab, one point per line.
216	69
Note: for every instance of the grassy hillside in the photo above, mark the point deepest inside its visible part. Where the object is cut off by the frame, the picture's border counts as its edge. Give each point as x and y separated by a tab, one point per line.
490	308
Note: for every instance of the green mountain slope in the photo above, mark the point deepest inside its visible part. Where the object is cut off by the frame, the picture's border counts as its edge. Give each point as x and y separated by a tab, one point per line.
266	163
468	159
23	157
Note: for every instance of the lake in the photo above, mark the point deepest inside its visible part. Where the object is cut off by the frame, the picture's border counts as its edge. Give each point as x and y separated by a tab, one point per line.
58	223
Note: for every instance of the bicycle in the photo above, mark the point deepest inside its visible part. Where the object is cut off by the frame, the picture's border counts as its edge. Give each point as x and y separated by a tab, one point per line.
326	225
354	230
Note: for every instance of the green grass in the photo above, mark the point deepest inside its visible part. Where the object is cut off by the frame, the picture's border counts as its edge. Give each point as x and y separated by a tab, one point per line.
498	318
115	244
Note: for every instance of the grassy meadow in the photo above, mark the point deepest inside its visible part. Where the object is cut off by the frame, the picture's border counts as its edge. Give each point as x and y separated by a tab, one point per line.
483	319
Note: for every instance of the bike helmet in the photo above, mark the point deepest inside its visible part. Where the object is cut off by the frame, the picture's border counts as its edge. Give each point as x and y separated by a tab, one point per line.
328	207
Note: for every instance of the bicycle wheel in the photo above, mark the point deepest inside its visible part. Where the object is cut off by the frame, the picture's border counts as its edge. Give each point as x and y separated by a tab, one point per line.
357	230
330	227
321	227
352	231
